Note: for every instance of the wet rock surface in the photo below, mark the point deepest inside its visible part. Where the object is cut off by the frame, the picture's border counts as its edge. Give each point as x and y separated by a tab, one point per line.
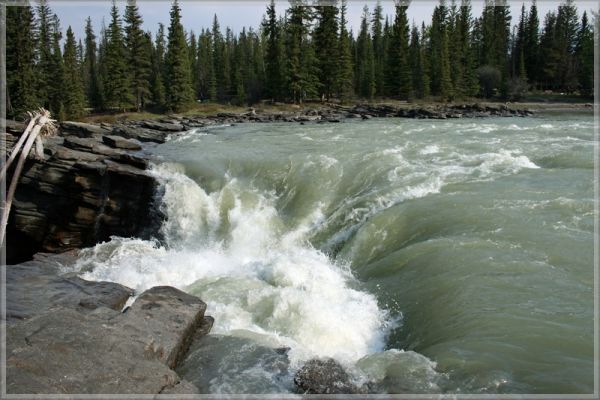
75	340
204	369
325	376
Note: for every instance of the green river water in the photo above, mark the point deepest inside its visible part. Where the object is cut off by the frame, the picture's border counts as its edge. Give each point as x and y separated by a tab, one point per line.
426	256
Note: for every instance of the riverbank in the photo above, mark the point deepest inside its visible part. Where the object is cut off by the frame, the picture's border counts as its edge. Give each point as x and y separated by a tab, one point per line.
295	113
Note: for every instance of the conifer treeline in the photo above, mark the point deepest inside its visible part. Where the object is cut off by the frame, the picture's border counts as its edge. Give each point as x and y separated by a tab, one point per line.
306	52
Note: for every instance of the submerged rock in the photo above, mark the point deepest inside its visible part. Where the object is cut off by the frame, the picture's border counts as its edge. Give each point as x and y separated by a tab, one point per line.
251	367
325	376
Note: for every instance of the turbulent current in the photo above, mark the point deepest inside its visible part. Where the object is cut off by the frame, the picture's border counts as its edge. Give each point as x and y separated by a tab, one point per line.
425	256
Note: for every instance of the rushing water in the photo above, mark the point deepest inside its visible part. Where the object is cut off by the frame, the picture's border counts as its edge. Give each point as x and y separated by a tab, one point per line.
426	256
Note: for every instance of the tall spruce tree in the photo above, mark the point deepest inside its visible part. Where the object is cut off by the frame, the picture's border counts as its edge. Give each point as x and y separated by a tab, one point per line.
567	28
326	48
441	81
157	78
74	96
117	86
469	86
138	58
20	52
273	56
44	52
219	60
206	81
379	48
90	68
531	44
179	91
398	76
301	63
585	57
55	86
416	64
345	70
365	60
193	55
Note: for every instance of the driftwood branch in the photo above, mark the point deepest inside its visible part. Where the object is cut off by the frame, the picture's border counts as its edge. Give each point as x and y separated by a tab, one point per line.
42	124
17	147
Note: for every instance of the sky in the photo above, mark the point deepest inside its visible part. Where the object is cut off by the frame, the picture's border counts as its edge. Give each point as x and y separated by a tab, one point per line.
198	14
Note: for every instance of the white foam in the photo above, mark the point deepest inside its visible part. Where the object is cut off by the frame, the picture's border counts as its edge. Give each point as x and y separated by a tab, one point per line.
228	247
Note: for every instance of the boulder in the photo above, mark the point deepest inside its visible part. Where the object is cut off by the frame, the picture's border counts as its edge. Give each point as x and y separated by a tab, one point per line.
325	376
71	337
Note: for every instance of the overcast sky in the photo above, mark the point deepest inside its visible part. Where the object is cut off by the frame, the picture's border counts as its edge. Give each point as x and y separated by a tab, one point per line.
198	14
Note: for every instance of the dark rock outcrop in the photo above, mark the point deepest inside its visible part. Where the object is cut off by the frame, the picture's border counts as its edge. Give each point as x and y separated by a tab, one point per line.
325	376
82	193
73	339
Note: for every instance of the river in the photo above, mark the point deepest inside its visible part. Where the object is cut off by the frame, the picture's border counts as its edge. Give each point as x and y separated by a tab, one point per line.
447	256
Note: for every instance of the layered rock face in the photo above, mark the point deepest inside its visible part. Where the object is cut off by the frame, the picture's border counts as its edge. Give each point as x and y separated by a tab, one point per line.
67	335
91	185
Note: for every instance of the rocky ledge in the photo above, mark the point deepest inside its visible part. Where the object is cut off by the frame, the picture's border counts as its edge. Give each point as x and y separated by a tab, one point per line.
92	183
67	335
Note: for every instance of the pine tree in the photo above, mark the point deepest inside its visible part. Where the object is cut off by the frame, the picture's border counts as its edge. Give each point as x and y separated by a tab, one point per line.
138	59
379	48
301	63
550	59
74	97
43	68
273	56
219	59
531	44
157	79
207	89
585	57
470	85
179	91
398	76
90	68
326	48
416	64
55	86
117	85
567	28
425	62
365	60
436	43
102	73
193	55
344	78
20	50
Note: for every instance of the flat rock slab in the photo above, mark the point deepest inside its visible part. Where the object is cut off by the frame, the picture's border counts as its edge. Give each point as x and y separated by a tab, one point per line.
75	340
83	129
119	142
165	319
163	126
63	351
